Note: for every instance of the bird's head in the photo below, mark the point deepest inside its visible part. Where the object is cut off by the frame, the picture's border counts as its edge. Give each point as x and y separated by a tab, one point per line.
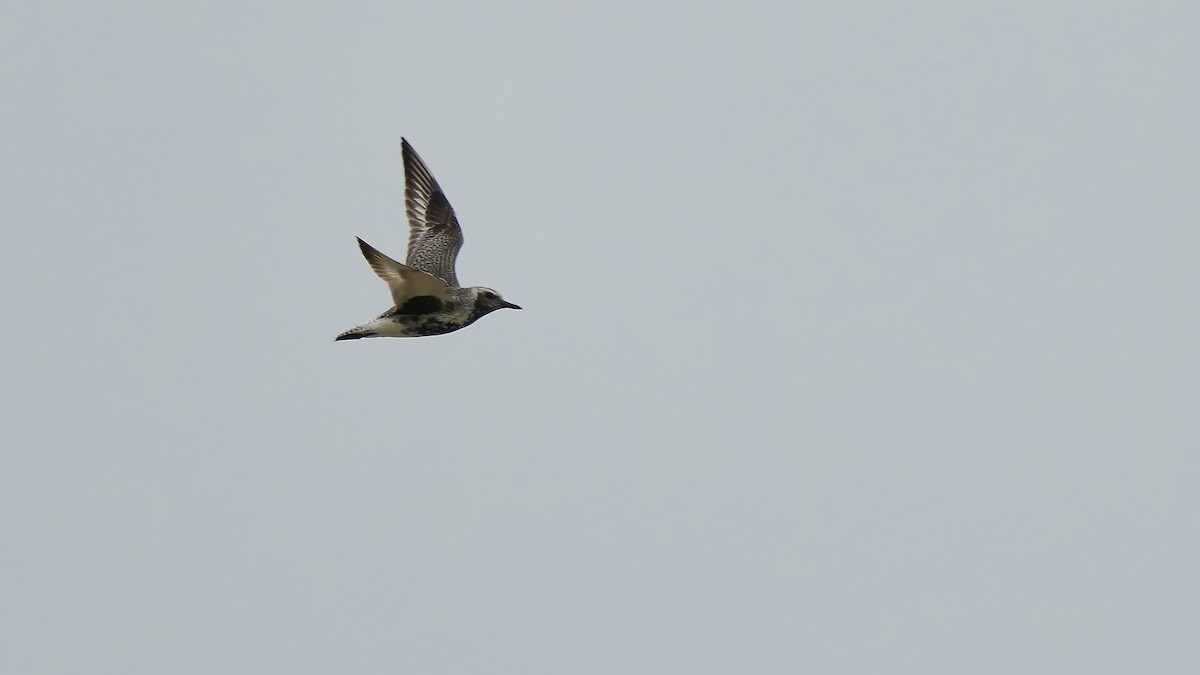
488	300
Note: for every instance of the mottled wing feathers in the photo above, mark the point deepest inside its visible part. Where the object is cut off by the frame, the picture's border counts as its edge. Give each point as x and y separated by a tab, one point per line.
434	235
403	281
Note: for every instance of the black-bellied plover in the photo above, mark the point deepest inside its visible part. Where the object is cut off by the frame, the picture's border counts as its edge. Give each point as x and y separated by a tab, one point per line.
427	297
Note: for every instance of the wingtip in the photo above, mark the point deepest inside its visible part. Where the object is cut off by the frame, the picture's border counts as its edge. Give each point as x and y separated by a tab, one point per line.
369	252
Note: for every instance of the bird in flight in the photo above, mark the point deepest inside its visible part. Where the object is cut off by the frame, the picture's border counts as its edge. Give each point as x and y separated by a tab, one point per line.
426	297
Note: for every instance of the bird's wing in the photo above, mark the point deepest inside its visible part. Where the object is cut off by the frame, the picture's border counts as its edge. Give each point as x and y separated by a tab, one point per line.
434	237
403	281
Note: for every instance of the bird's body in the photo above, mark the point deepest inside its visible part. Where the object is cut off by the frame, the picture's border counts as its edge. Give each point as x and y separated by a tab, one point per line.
426	315
426	297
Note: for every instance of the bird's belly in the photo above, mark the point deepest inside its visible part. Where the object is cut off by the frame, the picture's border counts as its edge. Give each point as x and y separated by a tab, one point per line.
417	325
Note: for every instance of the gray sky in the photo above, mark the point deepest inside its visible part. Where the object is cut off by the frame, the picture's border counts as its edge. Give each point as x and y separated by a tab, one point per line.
858	338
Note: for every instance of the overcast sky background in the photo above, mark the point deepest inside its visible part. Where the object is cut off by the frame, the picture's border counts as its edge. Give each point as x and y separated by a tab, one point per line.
858	338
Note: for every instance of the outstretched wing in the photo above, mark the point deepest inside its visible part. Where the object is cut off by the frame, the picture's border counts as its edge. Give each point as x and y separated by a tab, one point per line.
404	282
434	237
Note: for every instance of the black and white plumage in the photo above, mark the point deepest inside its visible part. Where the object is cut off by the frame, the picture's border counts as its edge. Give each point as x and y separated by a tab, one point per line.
426	297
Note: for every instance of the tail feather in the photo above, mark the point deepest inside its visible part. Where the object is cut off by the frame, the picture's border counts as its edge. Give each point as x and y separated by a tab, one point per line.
354	334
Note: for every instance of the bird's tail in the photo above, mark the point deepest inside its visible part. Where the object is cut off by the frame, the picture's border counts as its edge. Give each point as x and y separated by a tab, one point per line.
356	333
